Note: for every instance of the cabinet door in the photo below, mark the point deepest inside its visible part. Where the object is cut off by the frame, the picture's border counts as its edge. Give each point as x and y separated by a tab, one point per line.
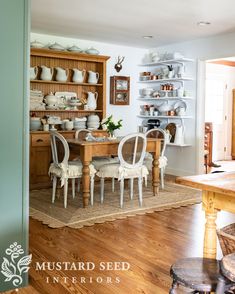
40	160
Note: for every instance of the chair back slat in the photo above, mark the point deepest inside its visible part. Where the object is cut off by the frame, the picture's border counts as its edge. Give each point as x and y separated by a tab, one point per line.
131	150
158	133
55	139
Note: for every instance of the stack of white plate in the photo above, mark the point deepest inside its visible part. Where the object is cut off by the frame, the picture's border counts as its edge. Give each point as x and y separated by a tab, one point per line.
80	123
93	122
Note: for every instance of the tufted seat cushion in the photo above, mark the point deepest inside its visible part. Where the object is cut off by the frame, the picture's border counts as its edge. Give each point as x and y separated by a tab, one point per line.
115	170
98	162
74	169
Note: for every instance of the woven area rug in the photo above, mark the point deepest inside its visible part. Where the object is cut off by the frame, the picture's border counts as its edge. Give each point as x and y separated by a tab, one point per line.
56	216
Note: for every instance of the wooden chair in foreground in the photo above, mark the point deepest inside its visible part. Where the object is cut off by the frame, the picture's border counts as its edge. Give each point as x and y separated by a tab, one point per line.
199	274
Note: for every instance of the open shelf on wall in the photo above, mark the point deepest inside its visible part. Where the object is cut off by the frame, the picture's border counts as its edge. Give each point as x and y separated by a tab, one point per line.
144	98
165	116
166	62
178	145
166	80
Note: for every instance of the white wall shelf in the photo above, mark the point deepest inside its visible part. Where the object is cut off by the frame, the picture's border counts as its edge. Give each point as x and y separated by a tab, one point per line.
166	80
143	98
166	62
165	116
178	145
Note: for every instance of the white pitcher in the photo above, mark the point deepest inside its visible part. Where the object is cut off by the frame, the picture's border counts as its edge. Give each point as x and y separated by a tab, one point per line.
61	74
78	75
92	100
46	73
93	77
179	135
33	72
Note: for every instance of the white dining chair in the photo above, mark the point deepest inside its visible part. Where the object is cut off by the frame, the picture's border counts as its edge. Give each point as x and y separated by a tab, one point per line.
131	153
157	133
65	169
97	161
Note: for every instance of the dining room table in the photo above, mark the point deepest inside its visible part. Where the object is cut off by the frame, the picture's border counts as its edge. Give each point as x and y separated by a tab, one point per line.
86	150
218	193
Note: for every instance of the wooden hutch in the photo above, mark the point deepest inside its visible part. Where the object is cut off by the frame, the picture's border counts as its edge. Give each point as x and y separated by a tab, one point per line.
40	151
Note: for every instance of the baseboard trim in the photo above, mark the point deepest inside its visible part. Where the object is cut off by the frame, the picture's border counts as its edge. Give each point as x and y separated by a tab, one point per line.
178	172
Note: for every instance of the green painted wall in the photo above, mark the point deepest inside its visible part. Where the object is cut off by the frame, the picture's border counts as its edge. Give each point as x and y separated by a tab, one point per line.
14	52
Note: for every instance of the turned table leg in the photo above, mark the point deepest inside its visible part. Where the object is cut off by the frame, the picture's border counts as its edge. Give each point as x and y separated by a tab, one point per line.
155	169
86	157
86	183
209	249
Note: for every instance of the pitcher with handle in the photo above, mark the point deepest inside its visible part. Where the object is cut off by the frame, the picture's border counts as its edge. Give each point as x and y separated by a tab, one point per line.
93	77
33	72
61	74
46	73
179	134
92	100
78	75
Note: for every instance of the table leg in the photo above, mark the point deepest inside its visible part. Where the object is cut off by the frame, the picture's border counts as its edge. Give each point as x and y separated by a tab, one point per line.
86	183
209	249
86	156
155	170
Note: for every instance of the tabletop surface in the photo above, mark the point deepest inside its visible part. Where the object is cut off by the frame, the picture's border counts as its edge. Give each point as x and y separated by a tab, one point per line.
223	183
108	141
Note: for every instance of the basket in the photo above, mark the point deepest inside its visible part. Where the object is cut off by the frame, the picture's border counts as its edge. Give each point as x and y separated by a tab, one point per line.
226	238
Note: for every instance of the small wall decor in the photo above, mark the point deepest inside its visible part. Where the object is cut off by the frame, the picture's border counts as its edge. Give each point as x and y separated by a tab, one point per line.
118	65
119	90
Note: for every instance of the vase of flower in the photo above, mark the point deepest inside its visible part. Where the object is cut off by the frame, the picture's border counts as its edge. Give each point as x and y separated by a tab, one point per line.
111	125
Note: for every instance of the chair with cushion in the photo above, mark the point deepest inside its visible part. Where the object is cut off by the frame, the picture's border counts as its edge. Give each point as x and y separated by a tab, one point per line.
63	168
131	152
157	133
97	161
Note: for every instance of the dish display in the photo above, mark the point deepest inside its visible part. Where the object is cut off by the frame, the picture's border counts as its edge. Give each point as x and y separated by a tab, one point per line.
74	48
56	46
171	127
92	51
36	44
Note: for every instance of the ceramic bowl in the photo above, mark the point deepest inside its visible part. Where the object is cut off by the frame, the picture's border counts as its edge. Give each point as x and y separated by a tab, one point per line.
35	124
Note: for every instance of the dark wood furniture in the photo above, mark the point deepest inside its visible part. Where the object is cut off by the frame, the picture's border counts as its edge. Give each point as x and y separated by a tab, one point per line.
86	150
208	143
120	90
227	280
198	274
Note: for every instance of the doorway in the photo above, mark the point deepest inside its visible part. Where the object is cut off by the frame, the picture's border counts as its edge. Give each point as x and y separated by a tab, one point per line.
219	85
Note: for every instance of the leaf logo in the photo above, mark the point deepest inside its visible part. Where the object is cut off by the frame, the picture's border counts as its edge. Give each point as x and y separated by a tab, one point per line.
13	268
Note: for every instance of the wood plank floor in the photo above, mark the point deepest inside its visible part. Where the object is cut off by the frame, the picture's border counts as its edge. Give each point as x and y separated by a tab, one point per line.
150	243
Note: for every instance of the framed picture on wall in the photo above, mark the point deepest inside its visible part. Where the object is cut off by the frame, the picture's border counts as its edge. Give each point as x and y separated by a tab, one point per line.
119	90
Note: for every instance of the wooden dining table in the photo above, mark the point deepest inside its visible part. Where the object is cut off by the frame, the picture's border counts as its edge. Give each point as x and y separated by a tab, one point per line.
89	149
218	193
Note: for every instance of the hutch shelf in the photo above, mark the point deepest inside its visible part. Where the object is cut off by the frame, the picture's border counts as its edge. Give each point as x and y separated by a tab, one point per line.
40	152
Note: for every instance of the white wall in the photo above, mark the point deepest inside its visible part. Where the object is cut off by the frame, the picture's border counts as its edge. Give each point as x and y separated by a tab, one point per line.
185	161
130	68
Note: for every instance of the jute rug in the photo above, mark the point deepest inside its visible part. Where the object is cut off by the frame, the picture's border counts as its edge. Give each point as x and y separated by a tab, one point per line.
56	216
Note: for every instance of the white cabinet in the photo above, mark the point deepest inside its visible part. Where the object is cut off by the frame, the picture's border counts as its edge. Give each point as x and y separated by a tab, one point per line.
171	88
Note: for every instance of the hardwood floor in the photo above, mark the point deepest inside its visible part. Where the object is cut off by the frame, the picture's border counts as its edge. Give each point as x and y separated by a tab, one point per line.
149	243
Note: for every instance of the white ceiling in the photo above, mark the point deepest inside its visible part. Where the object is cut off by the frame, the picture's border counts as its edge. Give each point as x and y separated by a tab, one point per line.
126	21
